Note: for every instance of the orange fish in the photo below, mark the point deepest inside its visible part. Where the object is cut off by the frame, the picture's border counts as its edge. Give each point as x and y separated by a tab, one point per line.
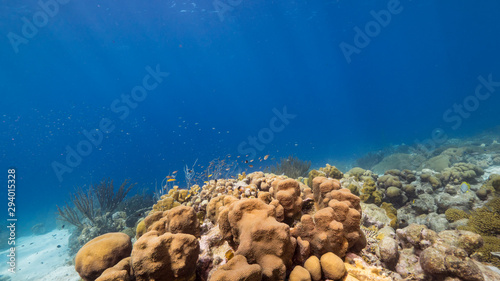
169	177
251	166
170	180
175	172
265	157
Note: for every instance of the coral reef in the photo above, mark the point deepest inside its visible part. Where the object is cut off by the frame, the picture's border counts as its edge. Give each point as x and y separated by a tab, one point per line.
405	224
448	253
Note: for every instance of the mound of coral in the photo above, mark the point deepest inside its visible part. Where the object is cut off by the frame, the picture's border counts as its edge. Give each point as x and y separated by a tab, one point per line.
400	225
258	227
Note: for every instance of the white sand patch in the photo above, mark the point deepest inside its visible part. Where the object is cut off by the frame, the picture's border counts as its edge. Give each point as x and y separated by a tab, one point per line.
40	258
491	170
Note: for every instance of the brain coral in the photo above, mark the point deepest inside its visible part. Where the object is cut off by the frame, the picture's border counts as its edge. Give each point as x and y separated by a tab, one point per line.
101	253
165	256
250	226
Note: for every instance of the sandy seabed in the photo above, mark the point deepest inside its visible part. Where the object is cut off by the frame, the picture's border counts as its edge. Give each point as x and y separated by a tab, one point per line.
38	257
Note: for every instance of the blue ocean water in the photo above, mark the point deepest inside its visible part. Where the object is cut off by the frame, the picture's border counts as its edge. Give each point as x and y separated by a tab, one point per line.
155	86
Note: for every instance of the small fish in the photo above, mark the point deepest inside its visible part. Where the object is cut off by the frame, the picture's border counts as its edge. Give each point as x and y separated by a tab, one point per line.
62	227
229	254
413	201
170	180
169	177
251	160
209	175
251	166
246	161
265	157
205	182
465	187
174	172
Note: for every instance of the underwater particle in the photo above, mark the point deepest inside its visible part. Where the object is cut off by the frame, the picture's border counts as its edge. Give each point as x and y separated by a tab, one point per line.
58	246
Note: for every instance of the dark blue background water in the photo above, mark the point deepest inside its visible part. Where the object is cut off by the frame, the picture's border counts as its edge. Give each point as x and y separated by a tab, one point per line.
226	77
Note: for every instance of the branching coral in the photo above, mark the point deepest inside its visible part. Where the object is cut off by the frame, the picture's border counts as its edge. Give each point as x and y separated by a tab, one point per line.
108	199
452	214
486	220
